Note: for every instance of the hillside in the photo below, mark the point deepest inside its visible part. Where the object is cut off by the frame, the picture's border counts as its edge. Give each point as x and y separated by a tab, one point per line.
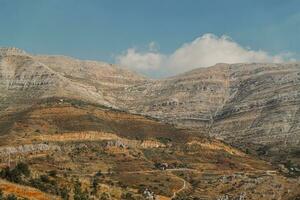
251	106
206	128
77	140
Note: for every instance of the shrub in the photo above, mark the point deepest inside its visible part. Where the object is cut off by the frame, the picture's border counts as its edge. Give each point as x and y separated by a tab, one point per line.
44	178
78	193
105	196
15	175
53	173
11	197
127	196
95	184
64	193
23	168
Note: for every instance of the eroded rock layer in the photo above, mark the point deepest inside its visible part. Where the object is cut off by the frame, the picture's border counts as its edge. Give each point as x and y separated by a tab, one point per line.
253	106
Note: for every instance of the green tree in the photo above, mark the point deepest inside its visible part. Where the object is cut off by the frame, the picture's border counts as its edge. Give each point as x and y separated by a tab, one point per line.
15	175
64	193
1	195
105	196
53	173
11	197
23	168
127	196
78	193
95	184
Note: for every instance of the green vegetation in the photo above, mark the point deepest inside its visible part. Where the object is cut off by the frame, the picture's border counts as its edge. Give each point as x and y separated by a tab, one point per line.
105	196
45	184
127	196
10	197
52	173
293	169
164	140
21	175
16	174
95	184
79	194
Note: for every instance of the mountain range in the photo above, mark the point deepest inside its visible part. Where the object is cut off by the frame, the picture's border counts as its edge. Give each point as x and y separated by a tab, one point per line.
242	117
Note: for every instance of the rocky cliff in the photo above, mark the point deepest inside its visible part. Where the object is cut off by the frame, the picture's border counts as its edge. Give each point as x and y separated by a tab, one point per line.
253	106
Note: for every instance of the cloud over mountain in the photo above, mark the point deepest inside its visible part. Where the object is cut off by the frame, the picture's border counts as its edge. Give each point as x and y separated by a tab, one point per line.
204	51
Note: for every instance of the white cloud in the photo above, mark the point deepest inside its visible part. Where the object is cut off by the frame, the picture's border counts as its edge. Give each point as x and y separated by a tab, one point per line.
204	51
141	61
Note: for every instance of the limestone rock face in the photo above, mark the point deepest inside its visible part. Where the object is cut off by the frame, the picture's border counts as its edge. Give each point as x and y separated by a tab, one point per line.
262	108
190	100
252	106
25	79
106	79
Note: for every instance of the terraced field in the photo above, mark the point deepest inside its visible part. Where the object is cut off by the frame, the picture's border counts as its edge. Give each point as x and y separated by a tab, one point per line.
120	155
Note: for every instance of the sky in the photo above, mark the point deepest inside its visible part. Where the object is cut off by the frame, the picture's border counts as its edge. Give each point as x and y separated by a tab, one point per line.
157	38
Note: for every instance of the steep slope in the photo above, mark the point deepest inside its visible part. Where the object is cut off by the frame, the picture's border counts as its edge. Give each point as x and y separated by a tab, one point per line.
124	152
188	100
252	106
59	113
25	80
107	79
263	109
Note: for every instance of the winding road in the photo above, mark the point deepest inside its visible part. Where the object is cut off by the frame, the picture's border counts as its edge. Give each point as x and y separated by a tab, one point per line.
182	188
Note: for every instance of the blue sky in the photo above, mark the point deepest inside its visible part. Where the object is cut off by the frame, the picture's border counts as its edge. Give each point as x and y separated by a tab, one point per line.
104	29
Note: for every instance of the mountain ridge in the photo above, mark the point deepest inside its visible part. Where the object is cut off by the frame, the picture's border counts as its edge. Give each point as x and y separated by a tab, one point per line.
198	134
226	101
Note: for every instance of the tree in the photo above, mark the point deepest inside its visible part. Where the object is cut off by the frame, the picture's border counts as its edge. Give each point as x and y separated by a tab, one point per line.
127	196
105	196
95	185
1	195
11	197
78	193
15	175
5	173
53	173
44	178
23	168
64	193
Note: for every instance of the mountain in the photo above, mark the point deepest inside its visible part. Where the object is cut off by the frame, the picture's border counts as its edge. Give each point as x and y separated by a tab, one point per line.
198	134
25	78
117	153
252	106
